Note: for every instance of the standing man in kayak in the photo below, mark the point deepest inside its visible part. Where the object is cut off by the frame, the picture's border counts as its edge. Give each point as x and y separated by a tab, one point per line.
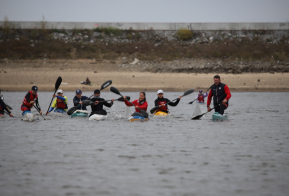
163	102
221	94
78	100
60	103
140	103
4	107
201	97
30	98
97	106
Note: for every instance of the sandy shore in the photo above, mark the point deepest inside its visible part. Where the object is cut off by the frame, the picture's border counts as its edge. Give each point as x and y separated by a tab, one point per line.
20	76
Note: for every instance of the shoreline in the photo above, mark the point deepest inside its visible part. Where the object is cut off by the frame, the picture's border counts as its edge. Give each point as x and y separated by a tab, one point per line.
19	76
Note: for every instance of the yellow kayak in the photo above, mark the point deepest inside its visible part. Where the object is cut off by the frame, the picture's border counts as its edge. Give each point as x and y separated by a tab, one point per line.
161	114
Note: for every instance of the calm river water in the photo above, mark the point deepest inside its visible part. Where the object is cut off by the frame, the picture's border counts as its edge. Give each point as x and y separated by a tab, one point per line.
246	155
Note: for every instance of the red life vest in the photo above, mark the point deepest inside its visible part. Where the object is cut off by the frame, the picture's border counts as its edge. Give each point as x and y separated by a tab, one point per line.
31	98
201	98
163	108
1	108
60	104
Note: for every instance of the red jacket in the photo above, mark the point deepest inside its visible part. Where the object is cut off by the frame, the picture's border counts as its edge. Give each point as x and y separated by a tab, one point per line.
142	106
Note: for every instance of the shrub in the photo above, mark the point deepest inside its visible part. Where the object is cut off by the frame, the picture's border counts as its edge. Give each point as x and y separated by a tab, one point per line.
108	30
184	34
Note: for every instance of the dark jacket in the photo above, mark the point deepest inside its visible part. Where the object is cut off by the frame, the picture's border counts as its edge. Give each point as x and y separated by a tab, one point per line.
219	92
161	101
76	101
98	109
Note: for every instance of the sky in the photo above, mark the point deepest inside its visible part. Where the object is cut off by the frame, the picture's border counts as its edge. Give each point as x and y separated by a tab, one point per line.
146	10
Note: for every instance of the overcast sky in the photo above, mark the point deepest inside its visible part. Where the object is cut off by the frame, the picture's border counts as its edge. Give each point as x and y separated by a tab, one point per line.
146	10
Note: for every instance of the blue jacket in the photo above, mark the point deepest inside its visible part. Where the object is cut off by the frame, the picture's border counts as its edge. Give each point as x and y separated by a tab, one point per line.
76	101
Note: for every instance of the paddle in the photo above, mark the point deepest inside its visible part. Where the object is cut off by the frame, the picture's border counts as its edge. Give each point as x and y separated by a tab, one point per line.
9	107
39	111
57	84
119	99
185	93
202	94
114	90
199	116
87	102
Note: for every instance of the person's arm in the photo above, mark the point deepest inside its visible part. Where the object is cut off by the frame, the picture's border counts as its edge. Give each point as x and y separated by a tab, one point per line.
75	102
173	103
127	103
205	94
197	96
27	97
4	106
156	102
53	105
227	92
62	98
144	106
209	98
108	104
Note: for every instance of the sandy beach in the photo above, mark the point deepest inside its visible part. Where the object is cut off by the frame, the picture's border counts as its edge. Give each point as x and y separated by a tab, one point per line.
21	75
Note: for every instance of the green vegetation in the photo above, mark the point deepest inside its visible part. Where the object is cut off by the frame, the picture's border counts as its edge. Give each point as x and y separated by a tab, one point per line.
108	30
184	34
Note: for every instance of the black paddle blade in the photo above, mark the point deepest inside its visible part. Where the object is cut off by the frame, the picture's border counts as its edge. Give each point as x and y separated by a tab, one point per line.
86	102
9	107
189	92
114	90
154	109
71	110
106	84
57	83
197	117
121	98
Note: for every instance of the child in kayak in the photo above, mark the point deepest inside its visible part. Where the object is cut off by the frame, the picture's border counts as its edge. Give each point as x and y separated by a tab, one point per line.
140	103
60	103
163	102
97	106
201	97
78	99
30	98
4	107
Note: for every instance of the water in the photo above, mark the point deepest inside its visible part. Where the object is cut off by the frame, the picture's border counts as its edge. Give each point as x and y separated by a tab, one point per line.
246	155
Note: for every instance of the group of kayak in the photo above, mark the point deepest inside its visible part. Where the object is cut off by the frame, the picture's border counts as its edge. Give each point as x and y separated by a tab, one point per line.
218	91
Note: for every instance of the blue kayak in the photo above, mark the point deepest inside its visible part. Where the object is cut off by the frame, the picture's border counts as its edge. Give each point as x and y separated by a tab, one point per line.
137	118
218	116
60	111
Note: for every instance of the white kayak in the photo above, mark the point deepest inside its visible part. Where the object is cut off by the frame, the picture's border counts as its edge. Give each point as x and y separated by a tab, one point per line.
28	116
97	117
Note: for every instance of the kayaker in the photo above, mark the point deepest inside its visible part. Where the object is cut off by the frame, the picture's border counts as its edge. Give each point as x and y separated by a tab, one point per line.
4	107
140	103
221	94
163	102
201	97
59	103
78	99
30	98
97	106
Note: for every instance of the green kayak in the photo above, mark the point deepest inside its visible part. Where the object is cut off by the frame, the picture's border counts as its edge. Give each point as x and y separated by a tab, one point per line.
217	116
80	113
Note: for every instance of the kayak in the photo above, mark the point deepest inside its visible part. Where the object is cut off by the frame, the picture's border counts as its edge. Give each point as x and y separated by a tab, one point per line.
60	111
137	118
218	116
97	117
161	114
80	113
201	103
28	116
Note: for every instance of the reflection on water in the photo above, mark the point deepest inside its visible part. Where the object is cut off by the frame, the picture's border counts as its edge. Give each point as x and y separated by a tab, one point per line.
246	155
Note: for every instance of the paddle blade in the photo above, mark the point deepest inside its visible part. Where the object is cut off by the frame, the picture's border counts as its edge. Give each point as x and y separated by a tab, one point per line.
71	110
86	102
121	98
189	92
114	90
197	117
154	109
57	83
106	84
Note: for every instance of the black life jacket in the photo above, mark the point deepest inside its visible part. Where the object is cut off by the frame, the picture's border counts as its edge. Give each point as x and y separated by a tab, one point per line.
219	94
